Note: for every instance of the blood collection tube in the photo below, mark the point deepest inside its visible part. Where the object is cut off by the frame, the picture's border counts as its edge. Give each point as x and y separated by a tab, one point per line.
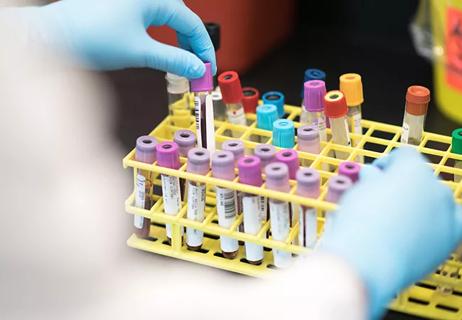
308	141
267	114
223	168
290	158
250	173
168	157
277	178
219	107
284	134
337	186
276	98
178	100
186	140
203	104
457	149
417	99
231	90
236	147
313	108
336	110
250	98
266	153
145	152
308	186
311	74
198	163
350	170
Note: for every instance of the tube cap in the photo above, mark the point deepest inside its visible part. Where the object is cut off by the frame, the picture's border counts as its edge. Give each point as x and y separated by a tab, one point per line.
266	115
308	183
250	171
315	90
236	147
250	98
335	104
417	99
350	170
283	133
266	153
223	165
352	87
277	98
312	74
213	29
176	84
230	86
146	149
186	140
308	139
277	177
168	155
457	141
338	185
198	161
205	83
290	158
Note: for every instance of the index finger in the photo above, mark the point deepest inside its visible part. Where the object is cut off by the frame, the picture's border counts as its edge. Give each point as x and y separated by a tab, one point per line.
188	25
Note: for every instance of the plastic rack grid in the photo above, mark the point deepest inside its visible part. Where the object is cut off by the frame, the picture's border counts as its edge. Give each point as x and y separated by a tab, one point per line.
422	299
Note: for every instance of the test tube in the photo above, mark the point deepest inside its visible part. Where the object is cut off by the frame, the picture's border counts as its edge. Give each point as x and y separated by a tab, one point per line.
198	163
223	168
186	140
250	98
266	153
308	186
219	107
231	90
266	115
337	186
417	99
236	147
203	108
277	178
145	152
284	134
250	173
352	87
311	74
313	108
457	149
350	170
168	157
308	141
178	100
276	98
336	110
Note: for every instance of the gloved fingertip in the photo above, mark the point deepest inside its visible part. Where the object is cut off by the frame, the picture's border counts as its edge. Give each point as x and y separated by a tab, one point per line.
369	172
195	71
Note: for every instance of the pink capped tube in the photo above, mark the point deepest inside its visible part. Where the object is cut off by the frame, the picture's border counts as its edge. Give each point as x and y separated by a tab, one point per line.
266	153
186	140
350	170
290	158
337	186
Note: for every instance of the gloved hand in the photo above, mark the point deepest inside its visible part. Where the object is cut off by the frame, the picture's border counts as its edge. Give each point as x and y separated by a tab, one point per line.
111	34
396	226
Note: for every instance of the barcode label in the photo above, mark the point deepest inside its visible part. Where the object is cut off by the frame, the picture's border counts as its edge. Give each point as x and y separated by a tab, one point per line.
171	194
405	134
226	203
197	114
263	211
140	191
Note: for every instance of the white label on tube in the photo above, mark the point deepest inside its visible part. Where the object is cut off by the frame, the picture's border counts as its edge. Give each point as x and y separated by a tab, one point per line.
405	133
140	191
237	117
138	222
198	115
280	228
308	227
196	208
250	207
357	123
262	210
210	124
347	133
171	194
226	209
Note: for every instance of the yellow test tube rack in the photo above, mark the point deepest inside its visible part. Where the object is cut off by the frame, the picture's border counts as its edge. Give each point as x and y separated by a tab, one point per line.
421	299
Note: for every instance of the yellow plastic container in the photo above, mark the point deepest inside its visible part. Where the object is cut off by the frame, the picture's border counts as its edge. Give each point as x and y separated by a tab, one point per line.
447	37
422	299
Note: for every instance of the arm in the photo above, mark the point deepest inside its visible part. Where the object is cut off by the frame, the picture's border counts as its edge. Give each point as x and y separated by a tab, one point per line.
109	35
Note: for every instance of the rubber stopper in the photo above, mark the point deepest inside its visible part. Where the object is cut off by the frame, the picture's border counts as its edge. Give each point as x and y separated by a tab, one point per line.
266	115
250	98
457	141
335	104
230	86
352	87
417	99
283	134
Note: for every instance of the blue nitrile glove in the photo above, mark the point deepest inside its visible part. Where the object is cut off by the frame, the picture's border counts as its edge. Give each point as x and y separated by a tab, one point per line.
396	226
111	34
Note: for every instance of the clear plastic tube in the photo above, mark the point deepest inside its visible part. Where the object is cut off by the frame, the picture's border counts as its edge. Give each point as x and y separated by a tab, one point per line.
413	127
219	107
178	100
417	99
236	115
354	124
340	135
204	120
